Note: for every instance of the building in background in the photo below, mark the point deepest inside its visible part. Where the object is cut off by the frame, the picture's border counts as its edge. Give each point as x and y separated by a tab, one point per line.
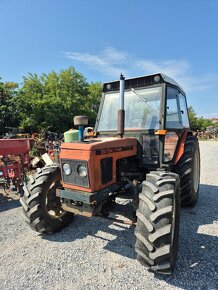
214	120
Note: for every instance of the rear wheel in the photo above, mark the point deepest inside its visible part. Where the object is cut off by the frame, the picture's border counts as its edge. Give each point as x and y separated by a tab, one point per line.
157	227
188	169
41	207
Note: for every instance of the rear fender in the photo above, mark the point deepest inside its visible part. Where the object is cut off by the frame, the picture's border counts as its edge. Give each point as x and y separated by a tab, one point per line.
181	146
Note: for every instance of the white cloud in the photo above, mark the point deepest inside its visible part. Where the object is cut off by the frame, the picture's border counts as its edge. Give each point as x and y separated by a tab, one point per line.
170	67
181	71
211	115
112	62
109	61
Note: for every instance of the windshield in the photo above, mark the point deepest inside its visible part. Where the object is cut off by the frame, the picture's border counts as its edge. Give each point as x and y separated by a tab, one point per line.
142	109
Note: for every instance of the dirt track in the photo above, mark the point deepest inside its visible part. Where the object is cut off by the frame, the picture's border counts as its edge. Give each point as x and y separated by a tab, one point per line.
96	254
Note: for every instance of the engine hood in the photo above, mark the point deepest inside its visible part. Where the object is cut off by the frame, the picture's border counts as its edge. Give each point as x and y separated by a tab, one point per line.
99	144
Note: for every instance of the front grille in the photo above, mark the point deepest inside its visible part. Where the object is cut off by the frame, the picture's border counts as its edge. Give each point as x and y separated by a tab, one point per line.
74	177
106	170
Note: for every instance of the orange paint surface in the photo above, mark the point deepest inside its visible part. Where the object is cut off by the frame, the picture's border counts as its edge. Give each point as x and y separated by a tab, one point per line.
93	153
181	147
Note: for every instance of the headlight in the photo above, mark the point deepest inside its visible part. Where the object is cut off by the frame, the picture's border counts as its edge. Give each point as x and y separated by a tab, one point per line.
66	169
82	170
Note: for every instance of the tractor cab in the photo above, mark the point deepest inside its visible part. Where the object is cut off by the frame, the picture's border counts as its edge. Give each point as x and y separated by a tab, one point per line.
151	103
155	113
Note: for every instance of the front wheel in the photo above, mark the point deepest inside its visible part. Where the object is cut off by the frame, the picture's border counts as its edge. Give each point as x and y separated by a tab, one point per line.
157	227
41	207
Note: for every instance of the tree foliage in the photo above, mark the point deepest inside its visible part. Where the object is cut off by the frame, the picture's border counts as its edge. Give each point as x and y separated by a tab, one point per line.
50	101
198	123
8	111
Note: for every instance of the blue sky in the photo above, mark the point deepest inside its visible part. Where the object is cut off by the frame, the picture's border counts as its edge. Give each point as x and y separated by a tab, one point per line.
102	38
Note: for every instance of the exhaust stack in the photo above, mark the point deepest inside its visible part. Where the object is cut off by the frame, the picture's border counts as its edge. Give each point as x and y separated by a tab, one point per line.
121	111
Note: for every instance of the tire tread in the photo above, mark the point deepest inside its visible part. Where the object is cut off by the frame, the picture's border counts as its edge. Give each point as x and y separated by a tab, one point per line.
154	246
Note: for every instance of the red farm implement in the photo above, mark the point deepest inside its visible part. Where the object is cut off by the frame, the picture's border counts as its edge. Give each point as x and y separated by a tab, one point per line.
14	158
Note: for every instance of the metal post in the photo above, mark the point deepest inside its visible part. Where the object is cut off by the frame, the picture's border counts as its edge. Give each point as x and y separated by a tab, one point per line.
81	129
121	111
122	84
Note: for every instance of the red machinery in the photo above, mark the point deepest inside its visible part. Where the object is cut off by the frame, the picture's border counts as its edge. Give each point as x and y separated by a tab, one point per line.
14	157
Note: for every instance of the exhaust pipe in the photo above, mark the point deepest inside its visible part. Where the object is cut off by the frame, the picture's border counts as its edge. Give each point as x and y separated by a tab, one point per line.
121	111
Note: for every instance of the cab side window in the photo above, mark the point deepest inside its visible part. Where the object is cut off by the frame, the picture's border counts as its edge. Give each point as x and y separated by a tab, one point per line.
184	111
173	112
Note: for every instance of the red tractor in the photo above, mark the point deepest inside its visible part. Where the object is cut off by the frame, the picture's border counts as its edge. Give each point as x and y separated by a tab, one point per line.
146	155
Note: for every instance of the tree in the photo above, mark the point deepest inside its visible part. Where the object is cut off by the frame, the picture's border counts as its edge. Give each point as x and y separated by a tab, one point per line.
8	113
93	101
192	119
50	101
198	124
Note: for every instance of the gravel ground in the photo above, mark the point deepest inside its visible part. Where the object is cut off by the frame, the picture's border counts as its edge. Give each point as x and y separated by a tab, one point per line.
96	254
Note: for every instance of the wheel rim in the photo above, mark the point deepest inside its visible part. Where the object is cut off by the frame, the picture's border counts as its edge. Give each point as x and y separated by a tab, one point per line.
196	168
52	202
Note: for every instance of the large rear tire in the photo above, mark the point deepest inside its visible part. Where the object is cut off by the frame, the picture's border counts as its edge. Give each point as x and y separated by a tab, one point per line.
41	207
188	169
157	227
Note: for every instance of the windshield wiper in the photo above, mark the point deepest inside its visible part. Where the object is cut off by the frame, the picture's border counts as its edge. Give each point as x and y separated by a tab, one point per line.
142	99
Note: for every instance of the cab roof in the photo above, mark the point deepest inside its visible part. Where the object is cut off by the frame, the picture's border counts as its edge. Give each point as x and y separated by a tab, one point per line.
141	82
